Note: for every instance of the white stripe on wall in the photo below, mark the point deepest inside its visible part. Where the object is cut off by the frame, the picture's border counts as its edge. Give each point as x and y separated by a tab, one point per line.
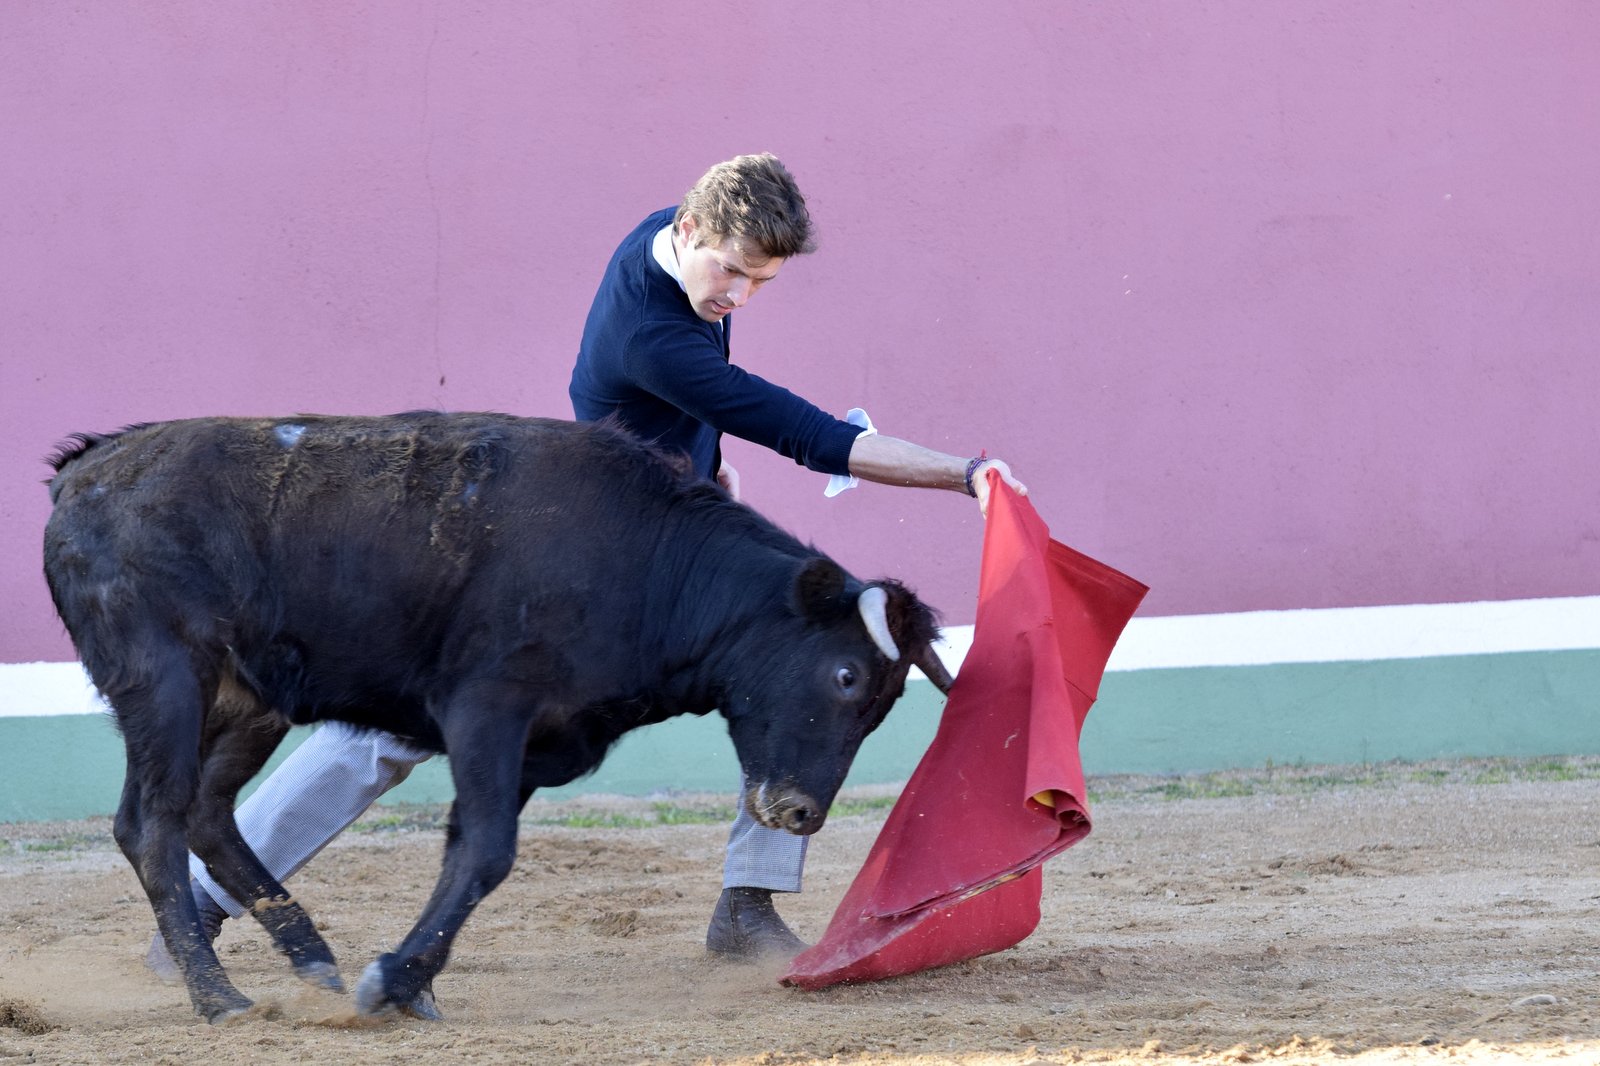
1342	634
1254	638
46	688
1358	634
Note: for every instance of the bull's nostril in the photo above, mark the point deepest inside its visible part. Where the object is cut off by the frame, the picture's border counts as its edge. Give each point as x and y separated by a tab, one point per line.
798	817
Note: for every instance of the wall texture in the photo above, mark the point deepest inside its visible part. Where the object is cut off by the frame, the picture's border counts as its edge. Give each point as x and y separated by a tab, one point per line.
1274	305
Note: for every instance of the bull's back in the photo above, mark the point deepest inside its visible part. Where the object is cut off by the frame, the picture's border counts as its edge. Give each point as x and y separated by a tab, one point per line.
362	540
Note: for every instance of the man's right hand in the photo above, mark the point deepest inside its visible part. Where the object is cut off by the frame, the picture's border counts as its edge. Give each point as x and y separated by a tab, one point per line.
980	482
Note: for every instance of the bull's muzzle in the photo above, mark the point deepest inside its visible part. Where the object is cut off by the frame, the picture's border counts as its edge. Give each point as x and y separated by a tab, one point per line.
785	807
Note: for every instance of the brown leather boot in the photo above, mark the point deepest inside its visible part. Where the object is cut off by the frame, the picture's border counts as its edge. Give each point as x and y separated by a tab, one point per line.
746	926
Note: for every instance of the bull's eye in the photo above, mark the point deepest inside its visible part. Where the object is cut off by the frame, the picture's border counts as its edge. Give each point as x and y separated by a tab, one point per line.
845	678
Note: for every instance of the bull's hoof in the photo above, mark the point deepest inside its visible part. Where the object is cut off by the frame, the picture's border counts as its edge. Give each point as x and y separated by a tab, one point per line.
226	1010
746	926
321	975
423	1008
372	999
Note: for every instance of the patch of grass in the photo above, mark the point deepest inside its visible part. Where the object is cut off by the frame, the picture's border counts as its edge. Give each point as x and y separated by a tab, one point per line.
626	813
595	820
633	816
382	823
1503	770
1201	786
846	806
1555	770
676	814
403	818
1351	778
1303	780
64	842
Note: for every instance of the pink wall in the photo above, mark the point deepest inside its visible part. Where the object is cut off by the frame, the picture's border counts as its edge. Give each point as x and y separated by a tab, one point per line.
1288	304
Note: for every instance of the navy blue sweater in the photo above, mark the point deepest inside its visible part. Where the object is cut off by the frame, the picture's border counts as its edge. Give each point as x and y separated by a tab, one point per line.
649	359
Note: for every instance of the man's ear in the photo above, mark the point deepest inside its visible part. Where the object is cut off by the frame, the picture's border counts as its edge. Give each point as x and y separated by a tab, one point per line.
687	228
818	589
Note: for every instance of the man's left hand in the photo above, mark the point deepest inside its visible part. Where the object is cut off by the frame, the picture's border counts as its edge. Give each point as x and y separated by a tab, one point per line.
728	478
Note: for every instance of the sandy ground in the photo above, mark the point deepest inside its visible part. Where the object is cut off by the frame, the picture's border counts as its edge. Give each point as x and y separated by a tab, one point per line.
1420	918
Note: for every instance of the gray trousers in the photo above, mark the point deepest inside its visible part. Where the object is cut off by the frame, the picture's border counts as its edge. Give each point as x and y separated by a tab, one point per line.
328	781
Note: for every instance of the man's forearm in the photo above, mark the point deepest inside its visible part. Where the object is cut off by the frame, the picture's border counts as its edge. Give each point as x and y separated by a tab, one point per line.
892	461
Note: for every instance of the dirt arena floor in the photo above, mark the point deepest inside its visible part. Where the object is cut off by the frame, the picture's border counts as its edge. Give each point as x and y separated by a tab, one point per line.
1443	913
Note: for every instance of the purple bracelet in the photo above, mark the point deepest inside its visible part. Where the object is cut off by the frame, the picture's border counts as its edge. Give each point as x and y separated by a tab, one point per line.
972	468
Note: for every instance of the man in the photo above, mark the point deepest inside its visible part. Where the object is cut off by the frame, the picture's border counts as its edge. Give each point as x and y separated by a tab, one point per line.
655	354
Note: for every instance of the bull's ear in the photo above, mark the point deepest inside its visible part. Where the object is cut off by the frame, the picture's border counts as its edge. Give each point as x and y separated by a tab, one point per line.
915	625
819	589
910	620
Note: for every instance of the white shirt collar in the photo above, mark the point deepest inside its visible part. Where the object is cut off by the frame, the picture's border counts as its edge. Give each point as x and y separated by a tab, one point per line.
662	249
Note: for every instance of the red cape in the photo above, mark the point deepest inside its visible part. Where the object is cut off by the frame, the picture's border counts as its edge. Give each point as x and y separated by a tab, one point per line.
955	872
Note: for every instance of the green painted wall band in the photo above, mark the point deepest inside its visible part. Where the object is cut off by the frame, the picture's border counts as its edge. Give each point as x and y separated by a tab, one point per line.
1146	721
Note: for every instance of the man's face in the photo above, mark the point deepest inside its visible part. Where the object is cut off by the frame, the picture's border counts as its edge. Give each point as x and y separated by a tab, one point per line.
722	275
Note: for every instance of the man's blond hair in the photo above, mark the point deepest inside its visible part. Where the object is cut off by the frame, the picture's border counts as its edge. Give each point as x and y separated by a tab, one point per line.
750	198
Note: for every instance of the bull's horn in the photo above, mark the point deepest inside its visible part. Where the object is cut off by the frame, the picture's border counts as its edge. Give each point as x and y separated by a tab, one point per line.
927	660
872	605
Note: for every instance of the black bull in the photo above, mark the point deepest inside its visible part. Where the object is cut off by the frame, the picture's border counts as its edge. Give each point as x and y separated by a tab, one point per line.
516	592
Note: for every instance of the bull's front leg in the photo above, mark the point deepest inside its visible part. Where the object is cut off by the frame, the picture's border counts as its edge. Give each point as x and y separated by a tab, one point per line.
485	750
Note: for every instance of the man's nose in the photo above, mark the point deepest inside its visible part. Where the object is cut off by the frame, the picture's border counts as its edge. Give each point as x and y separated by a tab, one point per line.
739	292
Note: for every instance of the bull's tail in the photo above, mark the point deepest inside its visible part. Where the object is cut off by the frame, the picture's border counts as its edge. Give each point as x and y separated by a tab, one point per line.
75	447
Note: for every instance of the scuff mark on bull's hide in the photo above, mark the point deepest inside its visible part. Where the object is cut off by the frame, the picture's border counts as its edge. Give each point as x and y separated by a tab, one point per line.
457	524
301	460
272	469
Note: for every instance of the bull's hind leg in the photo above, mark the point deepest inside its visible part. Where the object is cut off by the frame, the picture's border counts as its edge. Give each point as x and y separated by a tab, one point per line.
485	738
240	736
160	717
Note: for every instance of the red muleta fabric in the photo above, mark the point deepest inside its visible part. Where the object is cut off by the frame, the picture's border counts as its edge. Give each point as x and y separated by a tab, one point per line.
955	872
